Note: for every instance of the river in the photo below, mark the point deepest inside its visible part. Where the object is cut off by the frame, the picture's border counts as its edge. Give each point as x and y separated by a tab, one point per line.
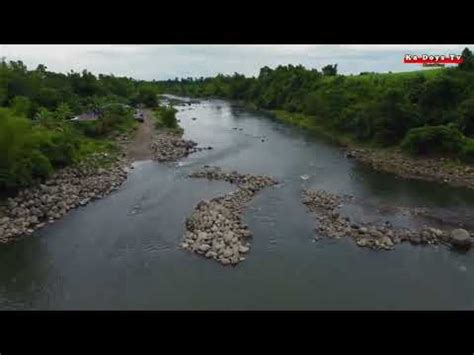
121	252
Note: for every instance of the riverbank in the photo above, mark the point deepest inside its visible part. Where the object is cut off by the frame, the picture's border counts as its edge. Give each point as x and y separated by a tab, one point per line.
69	188
390	160
95	177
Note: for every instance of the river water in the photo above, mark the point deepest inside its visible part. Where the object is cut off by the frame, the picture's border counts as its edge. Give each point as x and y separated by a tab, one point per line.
122	252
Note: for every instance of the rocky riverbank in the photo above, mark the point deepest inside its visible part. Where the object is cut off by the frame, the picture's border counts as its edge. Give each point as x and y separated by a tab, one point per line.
170	146
332	224
67	189
215	229
430	169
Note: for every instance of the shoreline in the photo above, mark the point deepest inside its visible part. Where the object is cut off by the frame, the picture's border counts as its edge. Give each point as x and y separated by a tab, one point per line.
393	161
99	175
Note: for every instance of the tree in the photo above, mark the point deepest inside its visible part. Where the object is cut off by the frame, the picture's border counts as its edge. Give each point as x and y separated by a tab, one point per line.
468	63
466	121
147	96
329	70
21	106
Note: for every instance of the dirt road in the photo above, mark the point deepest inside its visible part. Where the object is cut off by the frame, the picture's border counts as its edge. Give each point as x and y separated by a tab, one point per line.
139	148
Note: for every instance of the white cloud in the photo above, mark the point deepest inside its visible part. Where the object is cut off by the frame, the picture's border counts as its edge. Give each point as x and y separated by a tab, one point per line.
169	61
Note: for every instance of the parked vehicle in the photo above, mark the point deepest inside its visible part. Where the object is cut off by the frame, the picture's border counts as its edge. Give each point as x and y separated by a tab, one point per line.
139	116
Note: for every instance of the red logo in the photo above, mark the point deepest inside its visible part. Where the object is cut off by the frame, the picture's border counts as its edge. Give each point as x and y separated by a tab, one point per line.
427	59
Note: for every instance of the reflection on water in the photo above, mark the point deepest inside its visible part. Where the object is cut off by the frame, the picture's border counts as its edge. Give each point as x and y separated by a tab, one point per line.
122	252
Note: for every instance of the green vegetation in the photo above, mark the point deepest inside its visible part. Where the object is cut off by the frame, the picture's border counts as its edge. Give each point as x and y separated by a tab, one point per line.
433	139
425	112
36	133
165	117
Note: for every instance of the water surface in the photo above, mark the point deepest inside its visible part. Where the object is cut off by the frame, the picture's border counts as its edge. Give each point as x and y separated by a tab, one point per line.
122	252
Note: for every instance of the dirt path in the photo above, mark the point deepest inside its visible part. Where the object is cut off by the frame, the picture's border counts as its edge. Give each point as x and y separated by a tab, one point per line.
139	148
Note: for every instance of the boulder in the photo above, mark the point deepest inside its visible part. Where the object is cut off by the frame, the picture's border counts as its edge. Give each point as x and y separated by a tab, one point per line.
204	247
460	238
243	249
224	261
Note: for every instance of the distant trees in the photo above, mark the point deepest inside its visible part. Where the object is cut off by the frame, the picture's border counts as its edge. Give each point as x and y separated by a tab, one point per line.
468	63
329	70
36	136
147	96
378	108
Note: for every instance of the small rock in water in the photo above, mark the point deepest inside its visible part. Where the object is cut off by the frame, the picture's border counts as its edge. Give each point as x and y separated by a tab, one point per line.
304	177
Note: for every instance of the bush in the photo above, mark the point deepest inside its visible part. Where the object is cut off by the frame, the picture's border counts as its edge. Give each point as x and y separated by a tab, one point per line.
21	161
467	153
147	96
433	140
466	120
166	117
61	149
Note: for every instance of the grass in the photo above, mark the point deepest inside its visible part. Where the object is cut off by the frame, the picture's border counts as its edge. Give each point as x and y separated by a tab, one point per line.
127	127
427	73
105	151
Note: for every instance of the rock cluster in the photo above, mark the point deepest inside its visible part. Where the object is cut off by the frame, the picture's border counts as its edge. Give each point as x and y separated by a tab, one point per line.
169	146
431	169
68	188
215	229
332	224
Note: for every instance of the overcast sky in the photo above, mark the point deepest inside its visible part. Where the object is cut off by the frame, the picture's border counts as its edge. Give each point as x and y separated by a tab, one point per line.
162	62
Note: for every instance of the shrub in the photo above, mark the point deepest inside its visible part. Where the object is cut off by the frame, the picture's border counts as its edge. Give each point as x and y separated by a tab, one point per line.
61	149
21	161
467	153
433	140
466	120
166	117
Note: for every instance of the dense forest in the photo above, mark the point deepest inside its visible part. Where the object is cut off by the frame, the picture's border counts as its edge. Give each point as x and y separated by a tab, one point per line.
424	112
36	133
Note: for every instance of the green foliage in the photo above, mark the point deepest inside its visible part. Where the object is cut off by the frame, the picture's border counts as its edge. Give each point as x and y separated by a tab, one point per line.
377	109
166	117
467	153
22	106
61	148
468	63
21	161
431	140
147	95
329	70
36	134
466	117
113	118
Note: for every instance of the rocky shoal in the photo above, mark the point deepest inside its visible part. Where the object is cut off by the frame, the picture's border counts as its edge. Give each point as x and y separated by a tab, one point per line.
332	224
68	188
430	169
215	229
170	146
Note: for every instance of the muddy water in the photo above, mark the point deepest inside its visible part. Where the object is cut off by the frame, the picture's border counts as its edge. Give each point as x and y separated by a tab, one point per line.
122	252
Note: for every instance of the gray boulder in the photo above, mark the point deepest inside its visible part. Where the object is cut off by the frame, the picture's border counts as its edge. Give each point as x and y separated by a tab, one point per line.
460	238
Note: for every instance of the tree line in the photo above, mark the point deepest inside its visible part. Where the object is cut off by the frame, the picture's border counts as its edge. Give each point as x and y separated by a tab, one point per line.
36	133
424	112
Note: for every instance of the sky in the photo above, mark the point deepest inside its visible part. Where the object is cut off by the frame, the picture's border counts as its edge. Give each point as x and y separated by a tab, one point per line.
162	62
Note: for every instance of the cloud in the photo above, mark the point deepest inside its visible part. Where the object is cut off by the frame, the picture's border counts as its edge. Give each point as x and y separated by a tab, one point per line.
168	61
